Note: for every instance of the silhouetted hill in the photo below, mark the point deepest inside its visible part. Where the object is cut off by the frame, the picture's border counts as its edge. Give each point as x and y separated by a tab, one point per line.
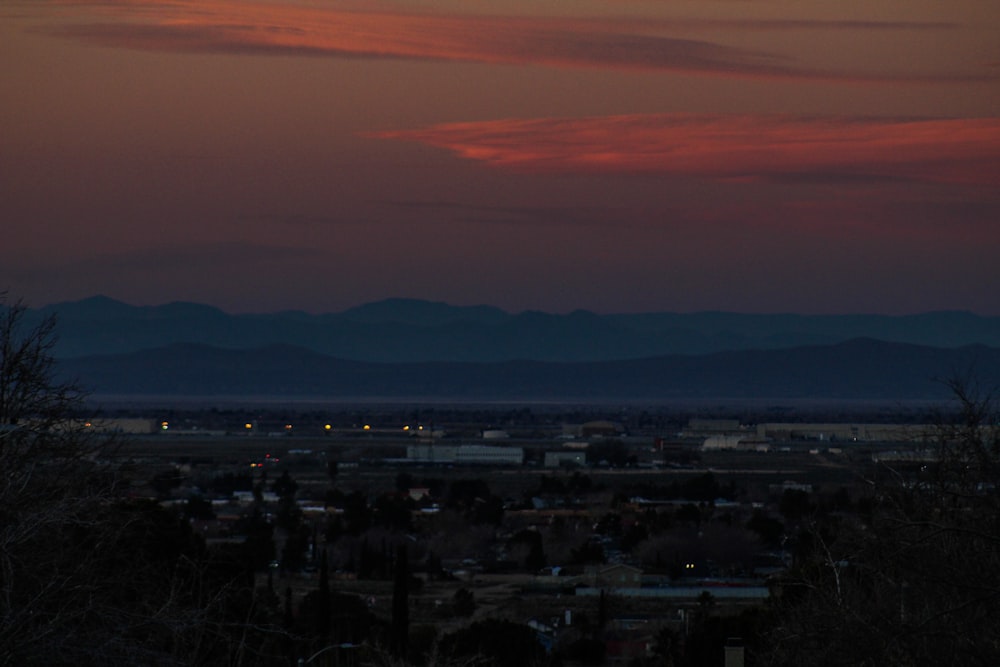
407	330
422	313
857	369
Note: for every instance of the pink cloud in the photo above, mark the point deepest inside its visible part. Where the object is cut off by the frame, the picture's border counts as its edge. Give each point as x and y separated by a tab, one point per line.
732	147
227	26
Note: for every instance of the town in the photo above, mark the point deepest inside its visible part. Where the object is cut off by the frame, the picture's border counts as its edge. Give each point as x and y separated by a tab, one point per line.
584	535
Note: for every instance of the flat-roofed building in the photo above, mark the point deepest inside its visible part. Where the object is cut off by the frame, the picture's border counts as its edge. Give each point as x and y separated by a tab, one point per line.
470	454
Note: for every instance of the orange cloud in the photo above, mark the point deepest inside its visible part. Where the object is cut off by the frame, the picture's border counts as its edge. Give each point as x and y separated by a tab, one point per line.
226	26
732	147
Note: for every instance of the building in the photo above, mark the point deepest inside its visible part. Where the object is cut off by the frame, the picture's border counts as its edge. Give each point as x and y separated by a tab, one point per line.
834	432
741	442
594	429
789	485
465	454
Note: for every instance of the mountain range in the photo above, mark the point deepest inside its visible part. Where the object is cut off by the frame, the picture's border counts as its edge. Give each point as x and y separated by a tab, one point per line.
861	369
402	348
407	330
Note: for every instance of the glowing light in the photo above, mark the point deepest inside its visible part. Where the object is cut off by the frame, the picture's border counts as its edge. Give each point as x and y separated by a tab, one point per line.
368	427
248	426
164	425
327	427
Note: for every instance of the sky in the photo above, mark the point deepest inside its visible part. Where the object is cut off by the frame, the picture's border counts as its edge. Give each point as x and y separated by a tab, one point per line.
609	155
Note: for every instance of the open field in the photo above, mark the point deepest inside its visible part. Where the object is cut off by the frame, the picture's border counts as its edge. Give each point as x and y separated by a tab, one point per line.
364	466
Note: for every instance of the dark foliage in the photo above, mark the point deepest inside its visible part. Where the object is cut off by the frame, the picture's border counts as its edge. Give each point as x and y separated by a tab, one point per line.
87	575
586	651
227	484
700	488
497	643
400	630
463	602
590	552
528	544
912	577
768	528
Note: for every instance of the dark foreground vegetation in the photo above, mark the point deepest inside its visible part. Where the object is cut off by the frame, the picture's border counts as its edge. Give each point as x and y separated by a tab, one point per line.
109	558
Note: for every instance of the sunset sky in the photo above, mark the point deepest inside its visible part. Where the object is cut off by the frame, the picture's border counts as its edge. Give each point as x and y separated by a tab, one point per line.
609	155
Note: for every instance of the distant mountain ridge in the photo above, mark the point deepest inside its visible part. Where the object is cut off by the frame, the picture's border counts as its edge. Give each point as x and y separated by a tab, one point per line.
409	330
861	369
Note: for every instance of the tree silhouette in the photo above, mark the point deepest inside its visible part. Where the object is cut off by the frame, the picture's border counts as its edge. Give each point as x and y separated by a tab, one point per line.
89	576
401	603
324	610
52	487
494	643
913	578
463	602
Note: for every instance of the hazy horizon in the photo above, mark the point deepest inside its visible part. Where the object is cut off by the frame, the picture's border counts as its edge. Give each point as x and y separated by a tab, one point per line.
568	311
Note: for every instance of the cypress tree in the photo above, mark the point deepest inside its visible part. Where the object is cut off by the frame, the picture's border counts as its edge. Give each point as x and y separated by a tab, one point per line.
324	610
401	603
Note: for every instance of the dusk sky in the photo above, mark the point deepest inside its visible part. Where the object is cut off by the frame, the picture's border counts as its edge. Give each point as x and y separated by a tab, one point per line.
609	155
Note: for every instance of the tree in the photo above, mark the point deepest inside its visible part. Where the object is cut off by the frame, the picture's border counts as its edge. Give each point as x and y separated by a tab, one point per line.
52	483
393	512
586	651
401	602
198	507
87	575
589	552
404	481
285	487
32	399
324	612
526	547
914	578
794	504
610	452
165	481
667	647
463	602
494	643
769	529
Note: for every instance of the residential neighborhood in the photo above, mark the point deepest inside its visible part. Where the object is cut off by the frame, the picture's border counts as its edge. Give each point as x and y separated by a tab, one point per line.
616	541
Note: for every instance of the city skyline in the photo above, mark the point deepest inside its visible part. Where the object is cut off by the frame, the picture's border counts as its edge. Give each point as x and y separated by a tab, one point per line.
613	156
